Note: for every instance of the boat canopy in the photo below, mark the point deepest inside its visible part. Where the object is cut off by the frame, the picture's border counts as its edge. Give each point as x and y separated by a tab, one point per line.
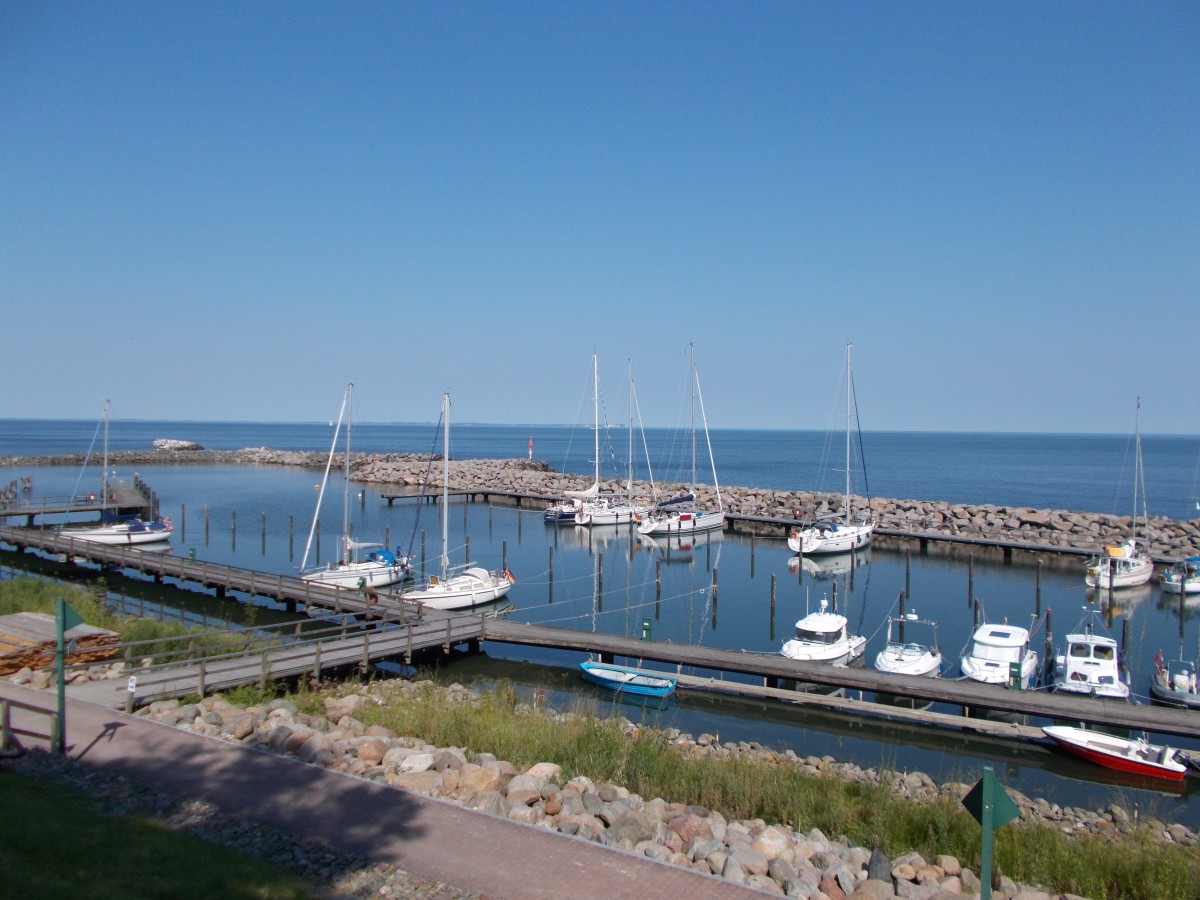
590	492
689	497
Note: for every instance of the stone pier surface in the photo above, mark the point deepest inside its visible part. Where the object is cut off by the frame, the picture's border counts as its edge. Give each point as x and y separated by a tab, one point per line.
1167	539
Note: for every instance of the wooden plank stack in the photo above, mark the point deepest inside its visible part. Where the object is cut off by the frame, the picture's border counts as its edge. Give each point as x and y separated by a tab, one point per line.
29	639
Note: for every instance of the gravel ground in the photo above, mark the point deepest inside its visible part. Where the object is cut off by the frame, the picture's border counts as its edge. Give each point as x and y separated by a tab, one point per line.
333	874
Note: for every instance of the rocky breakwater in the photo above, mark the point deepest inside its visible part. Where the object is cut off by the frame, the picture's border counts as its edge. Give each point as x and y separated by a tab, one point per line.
1167	538
773	858
770	510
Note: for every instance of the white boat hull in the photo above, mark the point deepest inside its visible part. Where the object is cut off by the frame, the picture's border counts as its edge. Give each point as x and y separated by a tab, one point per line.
909	659
1116	573
840	654
474	587
122	534
839	539
357	575
992	672
682	523
608	514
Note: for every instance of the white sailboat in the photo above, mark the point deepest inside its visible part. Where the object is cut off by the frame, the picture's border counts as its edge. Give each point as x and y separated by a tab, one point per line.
473	586
830	535
117	529
1127	564
379	567
609	510
680	515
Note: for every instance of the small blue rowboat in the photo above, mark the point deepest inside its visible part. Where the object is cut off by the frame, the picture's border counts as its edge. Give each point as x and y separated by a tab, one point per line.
628	681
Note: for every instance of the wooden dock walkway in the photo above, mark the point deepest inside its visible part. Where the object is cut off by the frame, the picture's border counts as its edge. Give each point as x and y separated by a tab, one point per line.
310	655
772	670
124	499
295	592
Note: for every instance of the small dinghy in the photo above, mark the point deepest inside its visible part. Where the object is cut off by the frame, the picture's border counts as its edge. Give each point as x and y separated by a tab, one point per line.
628	681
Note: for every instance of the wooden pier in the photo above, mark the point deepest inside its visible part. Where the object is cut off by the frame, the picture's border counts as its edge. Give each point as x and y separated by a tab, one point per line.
401	628
123	499
296	593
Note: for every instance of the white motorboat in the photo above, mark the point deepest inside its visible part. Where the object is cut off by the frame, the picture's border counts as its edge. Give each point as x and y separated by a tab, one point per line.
1090	665
378	568
1135	756
680	515
999	653
823	636
901	657
1129	563
471	586
850	532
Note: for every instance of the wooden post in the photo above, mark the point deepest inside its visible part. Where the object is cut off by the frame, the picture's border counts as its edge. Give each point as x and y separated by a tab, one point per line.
422	553
467	560
907	573
317	662
264	533
504	554
970	577
599	572
900	604
657	580
205	526
387	536
366	660
233	529
1038	588
772	606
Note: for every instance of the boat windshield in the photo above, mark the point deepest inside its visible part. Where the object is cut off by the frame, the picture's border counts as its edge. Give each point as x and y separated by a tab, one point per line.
818	637
993	653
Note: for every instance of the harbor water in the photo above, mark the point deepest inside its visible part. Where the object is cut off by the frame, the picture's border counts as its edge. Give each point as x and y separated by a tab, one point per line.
724	591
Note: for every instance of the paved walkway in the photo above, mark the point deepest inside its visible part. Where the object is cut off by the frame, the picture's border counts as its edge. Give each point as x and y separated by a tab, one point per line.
430	838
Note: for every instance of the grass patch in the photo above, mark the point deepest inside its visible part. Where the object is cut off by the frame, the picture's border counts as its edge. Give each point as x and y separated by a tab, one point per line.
59	845
775	790
32	595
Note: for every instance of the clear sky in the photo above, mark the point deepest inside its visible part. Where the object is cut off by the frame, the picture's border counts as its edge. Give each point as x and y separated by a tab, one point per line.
227	211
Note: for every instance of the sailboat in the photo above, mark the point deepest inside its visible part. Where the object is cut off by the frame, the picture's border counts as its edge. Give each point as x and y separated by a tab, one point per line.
1127	564
680	515
830	535
609	510
379	567
473	586
119	529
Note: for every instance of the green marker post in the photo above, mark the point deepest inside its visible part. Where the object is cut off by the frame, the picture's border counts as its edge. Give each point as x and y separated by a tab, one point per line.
65	619
991	806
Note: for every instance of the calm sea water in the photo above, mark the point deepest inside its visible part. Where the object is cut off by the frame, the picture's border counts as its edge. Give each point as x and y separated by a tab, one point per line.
258	517
1091	473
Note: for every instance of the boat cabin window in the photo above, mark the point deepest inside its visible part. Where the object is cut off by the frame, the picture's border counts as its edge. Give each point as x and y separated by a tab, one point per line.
818	637
1104	652
1078	650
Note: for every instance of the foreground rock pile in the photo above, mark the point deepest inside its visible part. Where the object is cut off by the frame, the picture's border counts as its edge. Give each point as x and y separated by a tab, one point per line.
1168	538
770	857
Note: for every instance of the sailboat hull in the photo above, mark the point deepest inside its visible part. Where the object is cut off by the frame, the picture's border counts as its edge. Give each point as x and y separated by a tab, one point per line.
367	574
682	523
123	533
474	587
831	538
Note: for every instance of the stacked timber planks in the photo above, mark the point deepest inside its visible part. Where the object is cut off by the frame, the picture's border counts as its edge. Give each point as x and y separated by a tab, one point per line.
30	639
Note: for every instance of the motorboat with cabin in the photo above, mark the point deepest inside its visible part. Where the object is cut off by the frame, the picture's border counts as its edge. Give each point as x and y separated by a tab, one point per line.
1090	664
999	653
823	636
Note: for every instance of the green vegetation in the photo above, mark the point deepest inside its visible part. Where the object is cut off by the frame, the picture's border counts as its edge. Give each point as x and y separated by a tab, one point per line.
774	790
32	595
61	846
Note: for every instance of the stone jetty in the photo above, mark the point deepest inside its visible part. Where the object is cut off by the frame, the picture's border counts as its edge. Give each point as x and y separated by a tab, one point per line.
772	510
772	857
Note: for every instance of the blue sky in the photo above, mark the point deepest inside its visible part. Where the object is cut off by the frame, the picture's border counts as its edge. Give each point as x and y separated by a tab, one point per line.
228	210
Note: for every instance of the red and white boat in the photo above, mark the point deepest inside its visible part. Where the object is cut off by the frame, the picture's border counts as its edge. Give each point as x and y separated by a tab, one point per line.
1135	756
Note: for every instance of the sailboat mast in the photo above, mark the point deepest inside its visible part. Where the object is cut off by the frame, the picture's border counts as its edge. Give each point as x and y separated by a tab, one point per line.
692	359
629	458
104	474
1138	475
849	382
445	562
346	476
596	419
